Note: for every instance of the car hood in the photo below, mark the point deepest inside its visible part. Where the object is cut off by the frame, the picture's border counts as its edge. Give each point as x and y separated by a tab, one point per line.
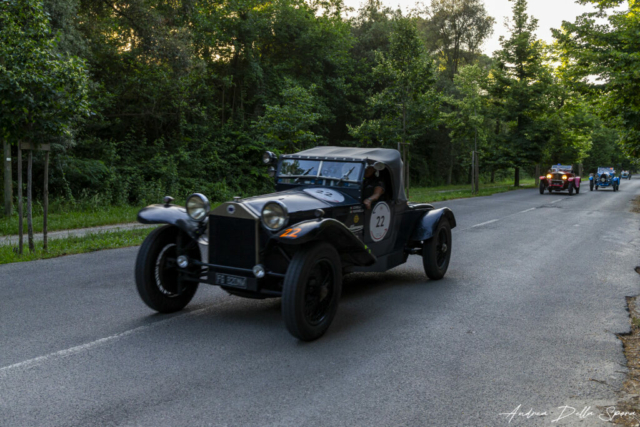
303	199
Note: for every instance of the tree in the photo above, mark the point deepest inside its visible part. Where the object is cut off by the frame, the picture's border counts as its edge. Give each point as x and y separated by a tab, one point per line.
467	118
407	104
519	83
611	52
454	31
42	91
288	127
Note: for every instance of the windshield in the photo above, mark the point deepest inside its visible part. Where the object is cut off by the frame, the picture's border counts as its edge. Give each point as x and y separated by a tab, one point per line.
327	173
608	171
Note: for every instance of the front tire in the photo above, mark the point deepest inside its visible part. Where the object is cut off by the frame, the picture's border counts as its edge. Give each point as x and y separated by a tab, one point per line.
311	291
541	188
571	188
436	252
157	277
590	185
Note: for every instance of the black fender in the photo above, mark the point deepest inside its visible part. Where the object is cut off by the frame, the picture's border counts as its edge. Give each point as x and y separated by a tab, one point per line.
173	215
351	249
427	224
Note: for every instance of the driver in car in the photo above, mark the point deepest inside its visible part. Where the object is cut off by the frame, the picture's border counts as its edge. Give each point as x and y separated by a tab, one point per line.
373	187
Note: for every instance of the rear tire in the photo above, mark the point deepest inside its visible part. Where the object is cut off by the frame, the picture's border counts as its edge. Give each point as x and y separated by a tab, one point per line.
436	252
311	291
571	188
156	272
577	190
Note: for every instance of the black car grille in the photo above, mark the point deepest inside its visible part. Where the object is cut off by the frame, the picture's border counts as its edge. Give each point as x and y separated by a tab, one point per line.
232	241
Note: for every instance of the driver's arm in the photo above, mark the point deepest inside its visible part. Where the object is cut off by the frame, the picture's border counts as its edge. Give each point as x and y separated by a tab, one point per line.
377	192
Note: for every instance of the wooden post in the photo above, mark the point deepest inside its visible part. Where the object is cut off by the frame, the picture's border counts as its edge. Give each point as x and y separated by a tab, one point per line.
476	172
20	232
29	200
8	184
46	201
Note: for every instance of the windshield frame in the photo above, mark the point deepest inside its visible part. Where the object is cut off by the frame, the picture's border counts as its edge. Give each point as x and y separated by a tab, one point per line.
319	175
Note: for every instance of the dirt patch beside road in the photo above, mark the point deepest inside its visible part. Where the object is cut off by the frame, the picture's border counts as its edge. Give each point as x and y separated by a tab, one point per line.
635	205
629	402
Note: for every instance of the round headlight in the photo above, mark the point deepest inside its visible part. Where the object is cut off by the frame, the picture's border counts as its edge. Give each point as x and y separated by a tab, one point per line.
268	157
564	176
198	206
549	176
274	215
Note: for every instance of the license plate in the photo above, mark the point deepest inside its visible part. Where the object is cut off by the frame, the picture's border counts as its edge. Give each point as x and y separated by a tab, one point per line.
230	280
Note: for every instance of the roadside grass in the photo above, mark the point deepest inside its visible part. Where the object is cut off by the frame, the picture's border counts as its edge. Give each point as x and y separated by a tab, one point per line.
76	245
449	192
71	218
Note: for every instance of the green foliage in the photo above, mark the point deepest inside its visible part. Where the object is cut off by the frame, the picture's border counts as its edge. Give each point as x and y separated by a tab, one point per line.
611	52
407	104
42	91
186	95
288	127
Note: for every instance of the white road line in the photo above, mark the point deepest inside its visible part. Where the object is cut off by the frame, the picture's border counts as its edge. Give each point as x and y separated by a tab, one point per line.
528	210
556	201
88	346
484	223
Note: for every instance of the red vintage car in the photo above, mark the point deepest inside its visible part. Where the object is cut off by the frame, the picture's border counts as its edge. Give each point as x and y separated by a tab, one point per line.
560	178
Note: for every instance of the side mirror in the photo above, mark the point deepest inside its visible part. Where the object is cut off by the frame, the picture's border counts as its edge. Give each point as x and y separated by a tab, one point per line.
269	158
379	166
272	171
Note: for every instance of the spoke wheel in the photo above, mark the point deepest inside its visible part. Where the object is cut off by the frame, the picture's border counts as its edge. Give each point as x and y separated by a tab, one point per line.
436	252
318	292
311	291
159	281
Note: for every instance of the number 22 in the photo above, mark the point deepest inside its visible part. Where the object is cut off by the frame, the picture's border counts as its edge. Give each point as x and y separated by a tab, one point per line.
291	232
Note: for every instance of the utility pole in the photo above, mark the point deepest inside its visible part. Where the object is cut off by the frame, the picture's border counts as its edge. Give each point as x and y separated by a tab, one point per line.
8	185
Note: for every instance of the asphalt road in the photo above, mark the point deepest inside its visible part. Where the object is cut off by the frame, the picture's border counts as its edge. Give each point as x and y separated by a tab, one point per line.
527	315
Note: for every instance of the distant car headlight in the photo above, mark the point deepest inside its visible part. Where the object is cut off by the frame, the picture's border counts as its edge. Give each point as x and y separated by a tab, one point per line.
198	206
549	176
564	176
275	215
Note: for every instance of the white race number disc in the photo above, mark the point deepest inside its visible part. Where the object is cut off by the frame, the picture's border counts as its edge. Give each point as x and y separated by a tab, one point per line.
379	222
325	194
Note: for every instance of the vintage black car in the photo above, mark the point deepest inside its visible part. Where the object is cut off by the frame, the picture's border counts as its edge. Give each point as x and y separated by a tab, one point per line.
295	243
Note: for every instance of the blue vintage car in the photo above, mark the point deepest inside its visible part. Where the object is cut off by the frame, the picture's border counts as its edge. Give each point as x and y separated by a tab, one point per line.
605	177
625	175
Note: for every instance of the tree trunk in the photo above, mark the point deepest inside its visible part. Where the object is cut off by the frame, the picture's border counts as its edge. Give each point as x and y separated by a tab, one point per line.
8	184
20	232
45	201
537	174
29	200
476	173
493	176
450	171
516	179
